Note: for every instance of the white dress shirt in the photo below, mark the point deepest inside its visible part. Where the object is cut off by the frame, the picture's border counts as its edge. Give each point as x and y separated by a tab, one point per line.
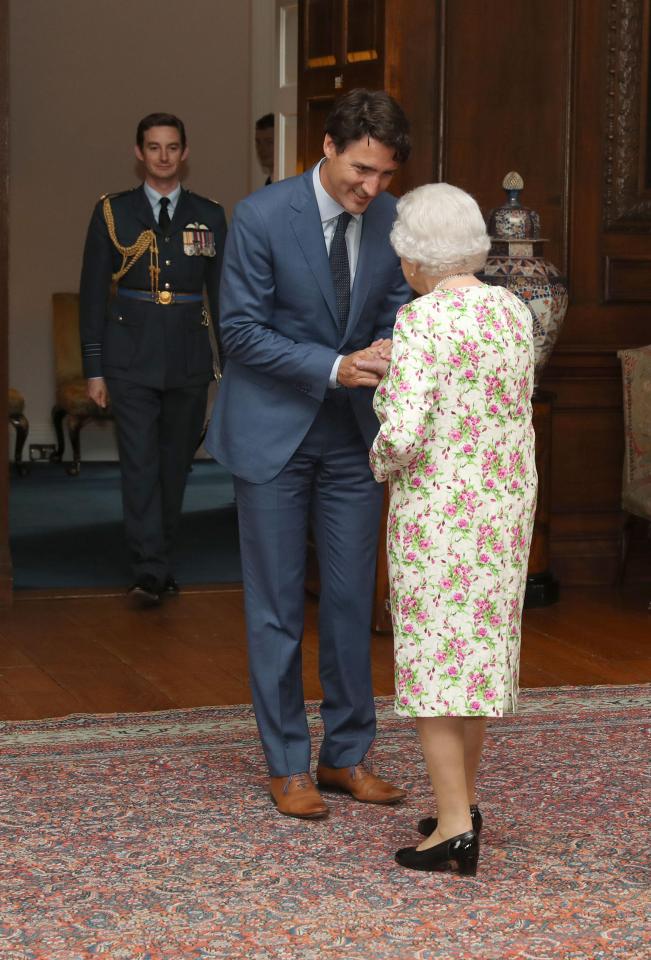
329	210
154	198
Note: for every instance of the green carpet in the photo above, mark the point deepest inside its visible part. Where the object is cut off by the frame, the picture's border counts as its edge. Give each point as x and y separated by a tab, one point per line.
67	531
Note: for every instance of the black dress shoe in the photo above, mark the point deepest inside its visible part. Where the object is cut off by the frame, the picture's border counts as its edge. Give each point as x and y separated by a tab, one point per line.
461	851
428	825
145	592
171	588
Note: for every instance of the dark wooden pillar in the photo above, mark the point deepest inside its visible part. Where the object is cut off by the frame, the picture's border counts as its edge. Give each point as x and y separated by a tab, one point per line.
5	556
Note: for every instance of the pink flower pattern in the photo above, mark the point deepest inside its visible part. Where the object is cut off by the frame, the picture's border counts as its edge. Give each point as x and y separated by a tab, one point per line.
457	446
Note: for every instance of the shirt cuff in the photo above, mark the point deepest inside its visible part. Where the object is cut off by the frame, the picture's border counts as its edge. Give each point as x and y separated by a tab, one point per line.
332	382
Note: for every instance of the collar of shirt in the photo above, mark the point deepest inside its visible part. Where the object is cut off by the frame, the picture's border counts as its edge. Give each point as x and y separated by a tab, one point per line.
154	198
329	210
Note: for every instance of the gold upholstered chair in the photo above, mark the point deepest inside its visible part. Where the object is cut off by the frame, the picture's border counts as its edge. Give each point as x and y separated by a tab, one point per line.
20	423
72	402
636	483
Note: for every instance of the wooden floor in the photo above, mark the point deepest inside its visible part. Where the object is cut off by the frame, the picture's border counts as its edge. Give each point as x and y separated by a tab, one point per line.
88	654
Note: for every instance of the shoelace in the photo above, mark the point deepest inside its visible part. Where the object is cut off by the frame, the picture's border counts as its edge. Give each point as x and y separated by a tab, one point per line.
301	780
366	766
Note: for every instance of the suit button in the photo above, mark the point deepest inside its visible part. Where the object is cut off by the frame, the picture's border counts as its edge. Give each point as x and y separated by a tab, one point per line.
168	263
167	239
167	286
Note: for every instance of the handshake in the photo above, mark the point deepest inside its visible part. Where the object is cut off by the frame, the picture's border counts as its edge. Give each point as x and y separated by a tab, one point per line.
365	368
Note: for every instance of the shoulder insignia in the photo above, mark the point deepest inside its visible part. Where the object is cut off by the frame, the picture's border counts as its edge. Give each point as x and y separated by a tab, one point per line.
119	193
207	199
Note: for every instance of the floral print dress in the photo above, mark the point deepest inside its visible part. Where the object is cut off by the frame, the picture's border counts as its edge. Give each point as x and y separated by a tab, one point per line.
457	446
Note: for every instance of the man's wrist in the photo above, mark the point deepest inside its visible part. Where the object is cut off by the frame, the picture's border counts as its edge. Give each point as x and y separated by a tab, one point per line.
332	382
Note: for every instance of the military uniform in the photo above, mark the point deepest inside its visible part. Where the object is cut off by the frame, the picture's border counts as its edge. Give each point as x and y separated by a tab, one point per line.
144	329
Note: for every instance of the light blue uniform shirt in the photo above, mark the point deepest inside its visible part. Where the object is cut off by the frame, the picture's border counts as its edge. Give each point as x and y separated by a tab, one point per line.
154	198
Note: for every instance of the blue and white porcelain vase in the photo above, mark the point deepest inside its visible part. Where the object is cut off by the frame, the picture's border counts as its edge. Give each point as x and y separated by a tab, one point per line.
516	261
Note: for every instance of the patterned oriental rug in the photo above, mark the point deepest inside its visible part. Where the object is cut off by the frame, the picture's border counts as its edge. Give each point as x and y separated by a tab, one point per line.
150	837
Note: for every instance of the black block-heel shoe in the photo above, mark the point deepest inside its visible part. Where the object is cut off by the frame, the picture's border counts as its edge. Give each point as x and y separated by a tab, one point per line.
428	825
462	850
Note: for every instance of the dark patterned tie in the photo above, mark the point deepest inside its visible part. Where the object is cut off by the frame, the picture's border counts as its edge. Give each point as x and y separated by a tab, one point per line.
341	270
163	216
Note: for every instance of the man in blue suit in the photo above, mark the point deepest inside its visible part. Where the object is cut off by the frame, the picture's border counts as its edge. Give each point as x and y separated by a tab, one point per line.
311	286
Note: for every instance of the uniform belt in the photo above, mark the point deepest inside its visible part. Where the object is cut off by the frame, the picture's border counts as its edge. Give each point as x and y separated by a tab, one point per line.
163	297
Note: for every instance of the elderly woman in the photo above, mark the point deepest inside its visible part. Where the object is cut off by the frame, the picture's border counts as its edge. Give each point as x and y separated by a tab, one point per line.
457	446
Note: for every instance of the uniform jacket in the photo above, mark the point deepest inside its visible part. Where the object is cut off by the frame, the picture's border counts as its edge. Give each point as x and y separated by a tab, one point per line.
278	324
151	344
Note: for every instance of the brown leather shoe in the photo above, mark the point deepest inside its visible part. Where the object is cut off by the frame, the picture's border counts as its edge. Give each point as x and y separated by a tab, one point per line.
359	782
296	796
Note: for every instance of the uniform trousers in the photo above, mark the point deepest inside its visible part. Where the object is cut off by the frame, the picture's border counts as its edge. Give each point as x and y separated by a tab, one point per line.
327	484
158	432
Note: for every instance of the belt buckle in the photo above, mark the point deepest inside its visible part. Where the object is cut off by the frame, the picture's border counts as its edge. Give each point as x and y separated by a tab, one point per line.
164	297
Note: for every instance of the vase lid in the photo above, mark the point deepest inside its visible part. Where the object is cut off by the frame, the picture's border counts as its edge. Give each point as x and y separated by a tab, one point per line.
512	221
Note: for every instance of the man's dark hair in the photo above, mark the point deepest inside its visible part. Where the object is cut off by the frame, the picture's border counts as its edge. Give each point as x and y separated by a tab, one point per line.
159	120
372	114
266	122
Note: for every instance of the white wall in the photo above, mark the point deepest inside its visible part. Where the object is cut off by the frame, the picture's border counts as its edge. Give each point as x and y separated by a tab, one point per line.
263	33
83	72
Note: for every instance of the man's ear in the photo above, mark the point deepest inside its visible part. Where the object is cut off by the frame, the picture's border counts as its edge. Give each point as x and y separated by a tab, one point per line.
139	154
329	149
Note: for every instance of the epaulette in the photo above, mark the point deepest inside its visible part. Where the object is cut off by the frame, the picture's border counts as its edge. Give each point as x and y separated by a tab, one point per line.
120	193
209	199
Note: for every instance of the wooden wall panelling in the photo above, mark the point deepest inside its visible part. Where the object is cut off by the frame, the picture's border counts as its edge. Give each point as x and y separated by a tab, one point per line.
587	452
610	281
5	556
413	62
507	105
558	90
627	195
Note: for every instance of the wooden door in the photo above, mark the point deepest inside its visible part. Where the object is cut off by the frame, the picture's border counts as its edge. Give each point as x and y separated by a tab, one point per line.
5	555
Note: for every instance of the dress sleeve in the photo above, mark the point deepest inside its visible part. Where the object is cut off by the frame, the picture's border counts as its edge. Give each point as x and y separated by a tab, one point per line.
407	398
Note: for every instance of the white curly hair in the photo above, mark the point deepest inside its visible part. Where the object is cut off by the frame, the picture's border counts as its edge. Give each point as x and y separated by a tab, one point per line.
441	228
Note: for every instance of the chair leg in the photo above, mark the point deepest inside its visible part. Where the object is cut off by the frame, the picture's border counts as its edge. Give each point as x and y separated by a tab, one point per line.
74	428
624	540
58	416
21	426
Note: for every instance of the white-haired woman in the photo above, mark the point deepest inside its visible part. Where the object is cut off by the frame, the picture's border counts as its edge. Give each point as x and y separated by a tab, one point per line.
457	446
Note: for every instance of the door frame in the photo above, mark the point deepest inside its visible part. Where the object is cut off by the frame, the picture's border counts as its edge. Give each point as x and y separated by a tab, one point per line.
6	579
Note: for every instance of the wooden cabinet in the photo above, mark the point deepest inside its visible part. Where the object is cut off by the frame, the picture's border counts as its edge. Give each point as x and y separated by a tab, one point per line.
377	44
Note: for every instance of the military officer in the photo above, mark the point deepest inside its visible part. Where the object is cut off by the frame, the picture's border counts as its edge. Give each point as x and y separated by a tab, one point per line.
150	253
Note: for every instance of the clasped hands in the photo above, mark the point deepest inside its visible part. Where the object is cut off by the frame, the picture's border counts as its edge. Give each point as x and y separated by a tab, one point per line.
365	368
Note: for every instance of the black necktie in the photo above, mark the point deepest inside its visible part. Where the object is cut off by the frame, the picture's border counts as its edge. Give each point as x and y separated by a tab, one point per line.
163	216
341	270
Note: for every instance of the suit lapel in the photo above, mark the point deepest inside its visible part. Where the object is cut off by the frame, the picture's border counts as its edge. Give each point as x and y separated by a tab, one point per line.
306	224
143	210
183	214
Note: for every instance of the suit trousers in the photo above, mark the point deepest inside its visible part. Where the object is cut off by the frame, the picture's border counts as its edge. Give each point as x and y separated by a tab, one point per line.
158	432
327	483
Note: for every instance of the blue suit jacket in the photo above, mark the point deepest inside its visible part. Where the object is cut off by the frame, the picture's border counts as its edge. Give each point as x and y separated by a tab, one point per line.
278	324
